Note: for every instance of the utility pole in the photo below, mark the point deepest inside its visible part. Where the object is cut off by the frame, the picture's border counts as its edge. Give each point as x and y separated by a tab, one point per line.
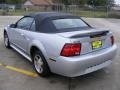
93	7
108	7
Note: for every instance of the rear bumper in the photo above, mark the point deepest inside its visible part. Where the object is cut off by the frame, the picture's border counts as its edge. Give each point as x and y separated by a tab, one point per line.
80	65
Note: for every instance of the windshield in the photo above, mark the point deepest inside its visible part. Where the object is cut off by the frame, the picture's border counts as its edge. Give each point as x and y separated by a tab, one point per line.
69	23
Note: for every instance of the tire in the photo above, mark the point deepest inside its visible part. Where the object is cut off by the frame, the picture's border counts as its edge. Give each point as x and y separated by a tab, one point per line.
6	40
40	64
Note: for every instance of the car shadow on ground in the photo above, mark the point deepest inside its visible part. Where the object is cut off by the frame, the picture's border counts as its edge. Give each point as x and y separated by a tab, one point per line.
77	81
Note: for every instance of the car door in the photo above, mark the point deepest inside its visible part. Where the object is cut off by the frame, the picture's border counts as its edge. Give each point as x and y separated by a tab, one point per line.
22	27
12	35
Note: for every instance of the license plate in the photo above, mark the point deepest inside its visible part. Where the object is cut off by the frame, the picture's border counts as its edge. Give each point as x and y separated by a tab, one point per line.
96	44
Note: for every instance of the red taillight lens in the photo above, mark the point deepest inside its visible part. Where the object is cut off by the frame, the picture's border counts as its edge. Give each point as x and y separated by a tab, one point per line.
112	40
71	50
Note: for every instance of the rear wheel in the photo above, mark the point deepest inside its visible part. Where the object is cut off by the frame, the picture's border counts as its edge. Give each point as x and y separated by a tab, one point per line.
6	40
40	64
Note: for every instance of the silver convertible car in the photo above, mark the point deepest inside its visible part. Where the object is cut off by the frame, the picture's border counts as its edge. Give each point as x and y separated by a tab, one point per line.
60	43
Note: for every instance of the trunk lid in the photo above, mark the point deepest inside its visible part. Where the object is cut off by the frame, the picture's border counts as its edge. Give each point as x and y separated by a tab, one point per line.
91	40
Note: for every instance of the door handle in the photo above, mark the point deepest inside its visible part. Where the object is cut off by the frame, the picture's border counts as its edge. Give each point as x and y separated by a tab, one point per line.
22	34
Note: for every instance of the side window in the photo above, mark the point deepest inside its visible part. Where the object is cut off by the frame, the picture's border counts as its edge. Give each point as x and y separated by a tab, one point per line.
33	26
25	23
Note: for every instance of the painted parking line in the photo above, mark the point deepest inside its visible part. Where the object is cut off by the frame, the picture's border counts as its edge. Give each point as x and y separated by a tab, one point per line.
0	64
28	73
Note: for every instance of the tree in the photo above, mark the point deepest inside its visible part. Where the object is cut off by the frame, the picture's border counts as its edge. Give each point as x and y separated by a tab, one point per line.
2	1
83	2
66	2
100	2
14	1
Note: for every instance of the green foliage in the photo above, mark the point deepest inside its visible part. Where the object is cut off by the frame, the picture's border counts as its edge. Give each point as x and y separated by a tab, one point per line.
89	2
68	2
82	2
14	1
100	2
2	1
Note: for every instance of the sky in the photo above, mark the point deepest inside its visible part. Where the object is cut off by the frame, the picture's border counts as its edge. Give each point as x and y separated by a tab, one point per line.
117	1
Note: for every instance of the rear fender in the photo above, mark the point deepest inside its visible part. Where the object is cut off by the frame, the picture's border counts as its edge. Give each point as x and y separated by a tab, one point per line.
39	45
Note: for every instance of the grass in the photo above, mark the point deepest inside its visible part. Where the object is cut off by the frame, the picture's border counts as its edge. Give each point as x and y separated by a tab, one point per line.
95	14
82	13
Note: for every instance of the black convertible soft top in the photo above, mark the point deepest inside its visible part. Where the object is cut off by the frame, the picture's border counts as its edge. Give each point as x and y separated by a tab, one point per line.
43	20
44	15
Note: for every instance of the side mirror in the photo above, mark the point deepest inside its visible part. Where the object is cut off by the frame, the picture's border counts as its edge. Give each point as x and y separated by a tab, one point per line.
13	25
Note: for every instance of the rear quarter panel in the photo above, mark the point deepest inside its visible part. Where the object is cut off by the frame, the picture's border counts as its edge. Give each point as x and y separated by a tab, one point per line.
49	44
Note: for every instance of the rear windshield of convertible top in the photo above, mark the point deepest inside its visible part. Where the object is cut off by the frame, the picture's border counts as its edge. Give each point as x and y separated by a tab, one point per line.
69	23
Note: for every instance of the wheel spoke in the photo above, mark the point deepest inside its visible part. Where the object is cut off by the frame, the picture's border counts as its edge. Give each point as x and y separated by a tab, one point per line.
38	63
6	40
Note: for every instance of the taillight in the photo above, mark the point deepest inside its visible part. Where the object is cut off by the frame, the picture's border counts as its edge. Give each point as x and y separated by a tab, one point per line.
112	40
71	50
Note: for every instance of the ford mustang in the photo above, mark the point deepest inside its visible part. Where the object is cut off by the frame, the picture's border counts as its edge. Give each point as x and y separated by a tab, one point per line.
60	43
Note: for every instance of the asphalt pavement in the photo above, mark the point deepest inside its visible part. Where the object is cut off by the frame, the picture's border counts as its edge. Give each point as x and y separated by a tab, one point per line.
105	79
